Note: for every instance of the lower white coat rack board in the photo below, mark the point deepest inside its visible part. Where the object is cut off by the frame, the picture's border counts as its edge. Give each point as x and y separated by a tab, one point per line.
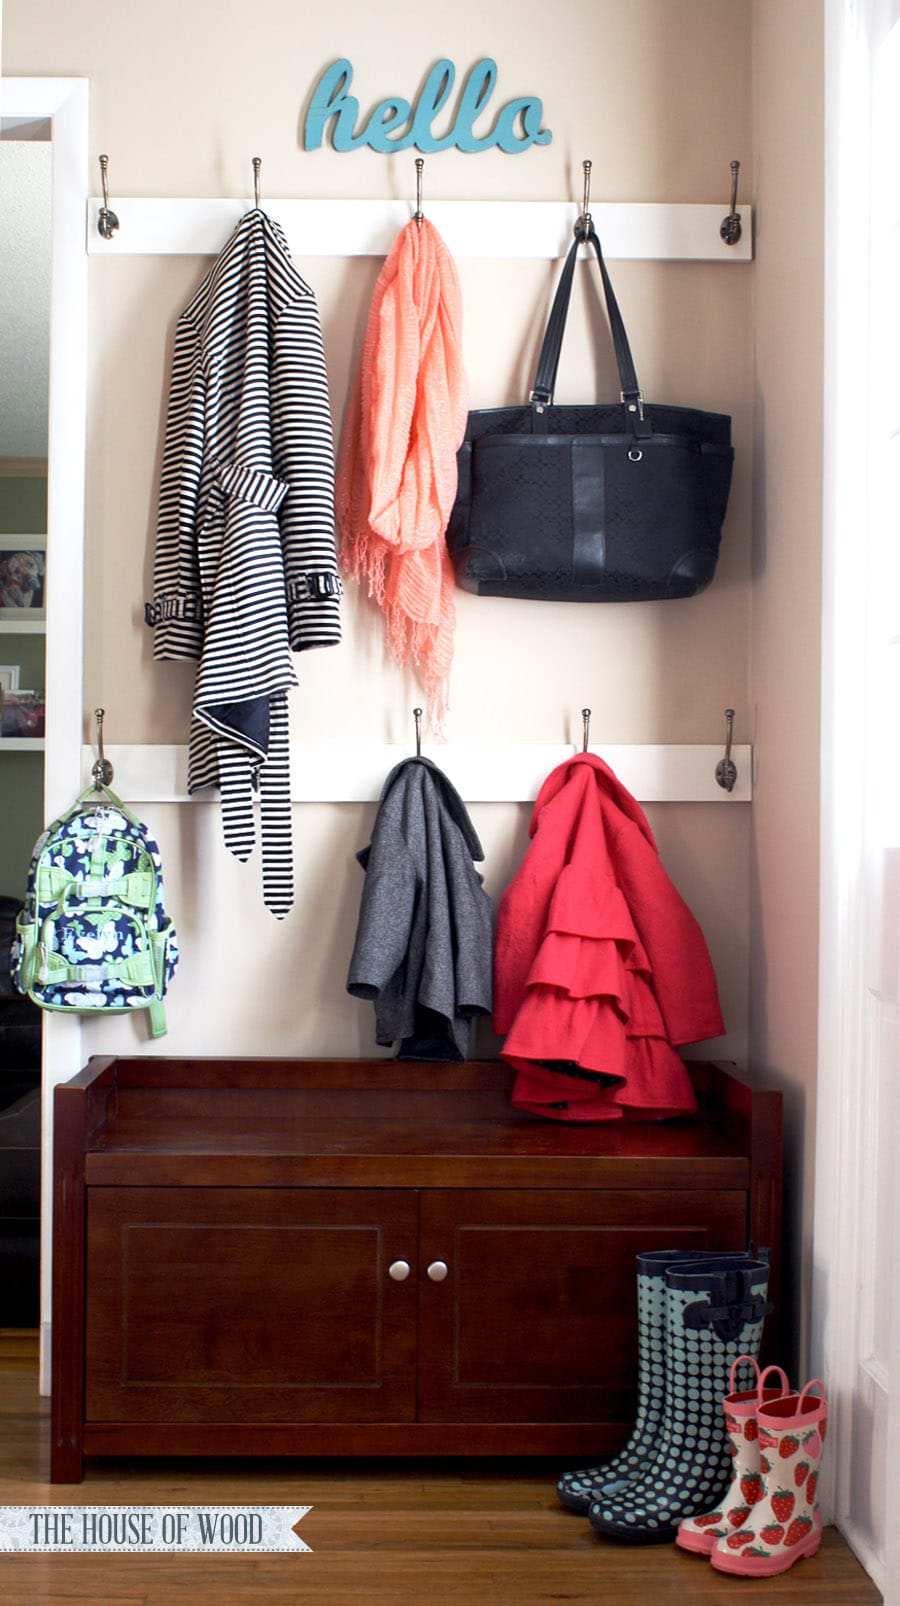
355	772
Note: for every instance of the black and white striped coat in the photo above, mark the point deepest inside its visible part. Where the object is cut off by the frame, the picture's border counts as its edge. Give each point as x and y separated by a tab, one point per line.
245	569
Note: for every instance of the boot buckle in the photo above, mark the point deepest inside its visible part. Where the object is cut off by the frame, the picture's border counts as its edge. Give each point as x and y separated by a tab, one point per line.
726	1320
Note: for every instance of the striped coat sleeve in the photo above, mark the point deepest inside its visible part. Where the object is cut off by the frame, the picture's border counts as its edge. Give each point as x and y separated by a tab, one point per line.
303	457
176	610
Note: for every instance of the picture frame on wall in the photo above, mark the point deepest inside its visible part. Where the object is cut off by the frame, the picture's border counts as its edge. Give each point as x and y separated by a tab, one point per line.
9	678
21	714
22	574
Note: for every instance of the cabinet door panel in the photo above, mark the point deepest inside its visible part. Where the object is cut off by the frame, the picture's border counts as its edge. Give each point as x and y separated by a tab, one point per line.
251	1305
537	1317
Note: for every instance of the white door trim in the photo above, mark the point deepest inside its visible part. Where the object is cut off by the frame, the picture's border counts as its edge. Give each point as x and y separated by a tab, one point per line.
65	102
844	1274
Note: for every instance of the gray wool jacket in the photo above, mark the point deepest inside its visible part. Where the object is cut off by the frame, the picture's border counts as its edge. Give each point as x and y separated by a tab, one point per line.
423	946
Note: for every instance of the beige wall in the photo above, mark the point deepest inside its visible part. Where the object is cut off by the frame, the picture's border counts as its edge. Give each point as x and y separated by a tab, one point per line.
786	591
659	96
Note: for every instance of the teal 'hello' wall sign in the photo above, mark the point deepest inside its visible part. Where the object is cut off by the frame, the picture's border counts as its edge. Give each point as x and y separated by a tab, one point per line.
396	124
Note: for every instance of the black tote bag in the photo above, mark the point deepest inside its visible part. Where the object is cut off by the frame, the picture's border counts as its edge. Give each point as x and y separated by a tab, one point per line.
617	503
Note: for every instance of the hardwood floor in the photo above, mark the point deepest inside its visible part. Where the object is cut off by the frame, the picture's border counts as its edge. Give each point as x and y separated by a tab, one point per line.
454	1532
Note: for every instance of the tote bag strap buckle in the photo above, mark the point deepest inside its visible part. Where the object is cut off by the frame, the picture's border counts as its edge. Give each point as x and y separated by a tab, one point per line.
633	403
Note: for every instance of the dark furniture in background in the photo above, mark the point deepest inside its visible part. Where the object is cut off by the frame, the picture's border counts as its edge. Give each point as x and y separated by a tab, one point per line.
20	1141
316	1257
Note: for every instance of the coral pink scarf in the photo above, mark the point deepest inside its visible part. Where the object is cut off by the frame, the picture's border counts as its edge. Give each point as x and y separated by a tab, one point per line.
396	475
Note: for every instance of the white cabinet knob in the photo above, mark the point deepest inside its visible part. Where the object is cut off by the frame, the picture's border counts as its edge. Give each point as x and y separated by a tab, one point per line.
399	1270
438	1271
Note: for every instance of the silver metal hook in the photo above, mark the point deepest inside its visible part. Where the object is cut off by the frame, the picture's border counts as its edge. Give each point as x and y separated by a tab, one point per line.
586	725
417	716
257	164
418	213
730	228
102	770
585	222
726	769
107	222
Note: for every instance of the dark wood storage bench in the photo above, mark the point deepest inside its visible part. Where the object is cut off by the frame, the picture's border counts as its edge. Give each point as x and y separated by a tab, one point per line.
328	1257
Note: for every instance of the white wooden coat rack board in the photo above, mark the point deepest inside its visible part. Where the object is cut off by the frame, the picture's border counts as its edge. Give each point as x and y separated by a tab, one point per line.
649	231
354	772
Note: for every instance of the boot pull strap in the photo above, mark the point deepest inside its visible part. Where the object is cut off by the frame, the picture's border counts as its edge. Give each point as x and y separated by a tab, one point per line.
763	1253
760	1383
814	1383
744	1360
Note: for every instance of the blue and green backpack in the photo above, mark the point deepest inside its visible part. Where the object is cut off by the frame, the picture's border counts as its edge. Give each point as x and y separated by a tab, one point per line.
94	934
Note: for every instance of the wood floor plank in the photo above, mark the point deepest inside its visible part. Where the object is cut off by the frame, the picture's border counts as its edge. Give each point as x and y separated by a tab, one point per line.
66	1600
387	1533
18	1348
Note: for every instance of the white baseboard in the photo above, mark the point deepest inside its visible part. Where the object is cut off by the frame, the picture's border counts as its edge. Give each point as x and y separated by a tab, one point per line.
865	1555
44	1374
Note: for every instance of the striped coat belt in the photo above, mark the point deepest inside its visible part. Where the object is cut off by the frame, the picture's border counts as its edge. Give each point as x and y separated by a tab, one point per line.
245	572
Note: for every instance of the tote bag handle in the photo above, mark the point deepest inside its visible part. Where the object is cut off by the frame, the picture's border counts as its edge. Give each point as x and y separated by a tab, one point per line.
548	361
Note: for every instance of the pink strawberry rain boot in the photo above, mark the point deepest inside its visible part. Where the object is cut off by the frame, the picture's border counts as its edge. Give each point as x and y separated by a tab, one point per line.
785	1525
735	1510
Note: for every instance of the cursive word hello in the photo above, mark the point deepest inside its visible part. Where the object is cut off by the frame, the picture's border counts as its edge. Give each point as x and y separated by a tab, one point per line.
396	124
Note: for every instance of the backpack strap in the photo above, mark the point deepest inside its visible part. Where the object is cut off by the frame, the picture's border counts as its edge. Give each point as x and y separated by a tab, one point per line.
56	971
157	1015
137	889
27	934
159	941
93	793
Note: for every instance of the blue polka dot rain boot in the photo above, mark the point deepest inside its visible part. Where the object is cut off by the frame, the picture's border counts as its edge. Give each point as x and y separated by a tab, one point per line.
714	1316
578	1490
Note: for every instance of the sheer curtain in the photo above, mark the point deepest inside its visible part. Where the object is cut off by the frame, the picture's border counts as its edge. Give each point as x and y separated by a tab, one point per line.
856	1306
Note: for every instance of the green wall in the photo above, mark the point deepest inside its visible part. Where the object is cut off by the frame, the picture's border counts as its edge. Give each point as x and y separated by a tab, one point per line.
23	504
23	511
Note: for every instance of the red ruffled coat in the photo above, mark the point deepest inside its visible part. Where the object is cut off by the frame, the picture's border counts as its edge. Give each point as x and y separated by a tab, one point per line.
600	969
